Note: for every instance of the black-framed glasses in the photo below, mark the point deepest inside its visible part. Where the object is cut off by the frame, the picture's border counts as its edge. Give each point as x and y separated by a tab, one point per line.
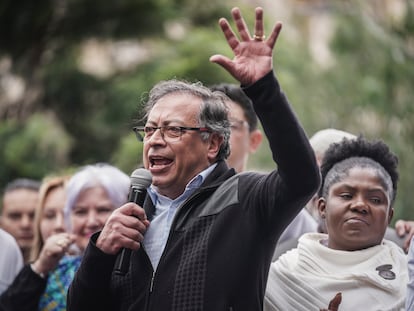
167	132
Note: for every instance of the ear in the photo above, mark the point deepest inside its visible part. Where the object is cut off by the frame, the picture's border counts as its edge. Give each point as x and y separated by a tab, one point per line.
390	214
214	143
256	138
322	207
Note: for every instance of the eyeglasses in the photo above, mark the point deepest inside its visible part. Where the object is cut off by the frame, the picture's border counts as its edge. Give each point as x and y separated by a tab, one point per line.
236	124
170	133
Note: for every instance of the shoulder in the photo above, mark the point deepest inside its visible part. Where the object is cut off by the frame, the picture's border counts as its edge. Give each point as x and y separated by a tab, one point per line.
13	253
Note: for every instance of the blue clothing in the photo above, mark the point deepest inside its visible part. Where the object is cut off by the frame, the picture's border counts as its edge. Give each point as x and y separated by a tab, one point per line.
409	305
29	291
54	297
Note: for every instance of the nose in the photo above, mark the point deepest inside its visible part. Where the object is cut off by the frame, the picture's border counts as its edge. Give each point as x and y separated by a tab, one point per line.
157	138
359	206
92	221
59	225
27	221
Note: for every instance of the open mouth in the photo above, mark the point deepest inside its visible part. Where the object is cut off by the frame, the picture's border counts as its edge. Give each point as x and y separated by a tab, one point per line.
159	162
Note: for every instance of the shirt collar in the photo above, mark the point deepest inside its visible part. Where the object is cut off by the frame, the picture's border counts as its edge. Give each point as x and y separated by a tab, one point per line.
192	185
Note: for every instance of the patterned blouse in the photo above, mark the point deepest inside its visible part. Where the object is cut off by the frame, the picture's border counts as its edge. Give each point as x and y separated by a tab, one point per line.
54	297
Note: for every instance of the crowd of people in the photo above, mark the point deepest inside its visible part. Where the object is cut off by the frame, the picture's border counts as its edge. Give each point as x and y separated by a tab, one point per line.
312	234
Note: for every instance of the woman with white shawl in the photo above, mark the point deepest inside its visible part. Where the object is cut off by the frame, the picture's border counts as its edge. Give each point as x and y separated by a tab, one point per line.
359	185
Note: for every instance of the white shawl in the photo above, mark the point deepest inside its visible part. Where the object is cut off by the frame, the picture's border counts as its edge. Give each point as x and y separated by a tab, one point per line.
308	277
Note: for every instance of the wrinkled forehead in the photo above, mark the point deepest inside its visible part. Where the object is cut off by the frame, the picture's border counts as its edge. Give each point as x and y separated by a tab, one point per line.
176	106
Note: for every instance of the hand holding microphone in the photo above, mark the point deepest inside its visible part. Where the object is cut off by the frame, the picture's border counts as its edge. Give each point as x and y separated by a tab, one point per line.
123	232
140	180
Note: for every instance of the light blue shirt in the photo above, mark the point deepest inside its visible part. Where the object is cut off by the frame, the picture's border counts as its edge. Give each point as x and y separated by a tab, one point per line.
409	305
165	208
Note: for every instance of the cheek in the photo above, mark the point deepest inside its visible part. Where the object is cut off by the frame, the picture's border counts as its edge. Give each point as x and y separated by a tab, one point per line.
45	230
332	215
77	225
101	219
144	156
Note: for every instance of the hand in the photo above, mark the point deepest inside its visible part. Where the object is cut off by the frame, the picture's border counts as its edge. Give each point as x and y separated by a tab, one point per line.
125	228
334	303
405	228
252	55
53	250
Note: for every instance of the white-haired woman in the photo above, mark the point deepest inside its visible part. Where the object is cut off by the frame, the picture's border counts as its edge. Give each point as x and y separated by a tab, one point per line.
92	193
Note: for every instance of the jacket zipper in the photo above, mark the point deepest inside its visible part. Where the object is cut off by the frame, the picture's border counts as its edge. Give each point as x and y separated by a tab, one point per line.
152	282
151	287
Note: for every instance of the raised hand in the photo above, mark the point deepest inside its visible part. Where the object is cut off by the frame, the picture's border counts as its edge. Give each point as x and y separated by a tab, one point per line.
252	54
405	228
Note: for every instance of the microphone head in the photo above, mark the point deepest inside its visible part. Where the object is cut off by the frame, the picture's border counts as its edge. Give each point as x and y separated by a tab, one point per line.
141	178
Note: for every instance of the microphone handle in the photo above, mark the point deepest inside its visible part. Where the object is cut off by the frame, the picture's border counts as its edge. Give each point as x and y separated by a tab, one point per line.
136	195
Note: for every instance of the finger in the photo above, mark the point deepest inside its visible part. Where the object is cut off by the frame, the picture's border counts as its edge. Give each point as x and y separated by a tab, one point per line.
230	36
400	227
274	35
139	212
132	234
127	238
240	24
335	302
408	241
258	26
134	224
223	61
72	238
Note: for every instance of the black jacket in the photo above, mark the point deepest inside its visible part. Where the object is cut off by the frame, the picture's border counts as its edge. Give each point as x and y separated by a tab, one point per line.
222	238
25	291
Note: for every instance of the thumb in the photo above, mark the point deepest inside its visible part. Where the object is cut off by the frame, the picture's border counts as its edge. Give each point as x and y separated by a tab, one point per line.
223	61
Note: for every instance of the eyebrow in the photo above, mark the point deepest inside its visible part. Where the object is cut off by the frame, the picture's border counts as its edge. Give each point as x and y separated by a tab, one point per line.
166	122
370	190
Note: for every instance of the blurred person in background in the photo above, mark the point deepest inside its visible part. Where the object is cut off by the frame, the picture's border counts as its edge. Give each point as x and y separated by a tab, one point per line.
11	260
29	285
68	216
245	137
409	303
18	209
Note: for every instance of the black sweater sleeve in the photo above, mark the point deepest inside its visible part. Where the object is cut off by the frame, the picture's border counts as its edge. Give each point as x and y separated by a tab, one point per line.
297	175
90	287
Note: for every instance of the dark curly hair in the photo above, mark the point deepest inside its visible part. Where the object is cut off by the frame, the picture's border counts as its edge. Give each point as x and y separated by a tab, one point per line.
360	152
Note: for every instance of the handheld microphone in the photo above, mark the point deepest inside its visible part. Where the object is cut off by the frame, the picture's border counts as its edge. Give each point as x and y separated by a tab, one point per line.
140	180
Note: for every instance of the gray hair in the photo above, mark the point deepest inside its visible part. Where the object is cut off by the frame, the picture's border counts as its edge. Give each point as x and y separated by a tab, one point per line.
23	183
213	111
115	182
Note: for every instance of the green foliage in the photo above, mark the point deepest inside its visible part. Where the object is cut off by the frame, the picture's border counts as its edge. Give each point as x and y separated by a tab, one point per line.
34	149
367	89
129	154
